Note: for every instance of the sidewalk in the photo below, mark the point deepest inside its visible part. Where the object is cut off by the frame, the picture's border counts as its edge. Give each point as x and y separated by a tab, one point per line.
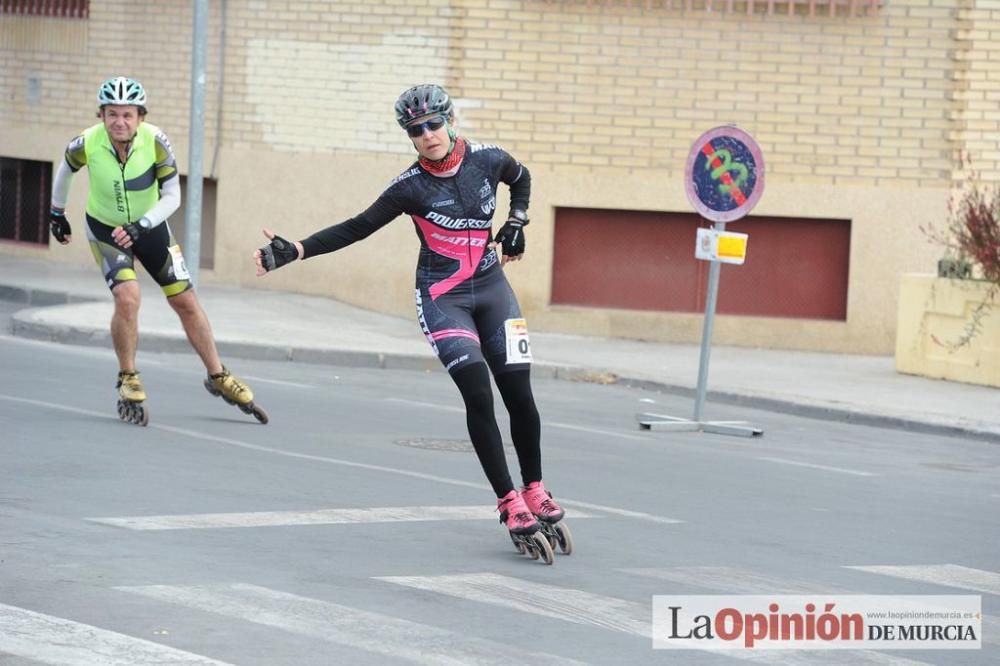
70	304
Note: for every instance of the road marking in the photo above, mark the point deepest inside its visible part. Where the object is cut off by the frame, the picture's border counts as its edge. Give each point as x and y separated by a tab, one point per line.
551	601
951	575
279	382
427	405
193	434
732	580
571	605
827	468
389	636
388	514
53	640
549	424
595	431
52	405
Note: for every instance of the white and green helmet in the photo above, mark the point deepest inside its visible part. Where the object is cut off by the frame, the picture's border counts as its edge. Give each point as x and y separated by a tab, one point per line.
122	91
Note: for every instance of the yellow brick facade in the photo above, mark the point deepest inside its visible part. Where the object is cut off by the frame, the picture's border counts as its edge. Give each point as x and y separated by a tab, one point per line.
859	118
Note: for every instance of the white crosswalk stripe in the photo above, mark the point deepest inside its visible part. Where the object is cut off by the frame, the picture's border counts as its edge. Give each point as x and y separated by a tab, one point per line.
734	581
387	514
52	640
949	575
374	632
592	609
528	596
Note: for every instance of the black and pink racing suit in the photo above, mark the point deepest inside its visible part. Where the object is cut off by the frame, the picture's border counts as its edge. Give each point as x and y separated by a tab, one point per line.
463	298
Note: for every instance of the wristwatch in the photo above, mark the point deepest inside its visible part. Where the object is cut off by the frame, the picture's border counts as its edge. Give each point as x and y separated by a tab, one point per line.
144	223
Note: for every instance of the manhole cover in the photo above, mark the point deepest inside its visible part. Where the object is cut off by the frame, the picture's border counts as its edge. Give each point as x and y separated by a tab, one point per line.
433	444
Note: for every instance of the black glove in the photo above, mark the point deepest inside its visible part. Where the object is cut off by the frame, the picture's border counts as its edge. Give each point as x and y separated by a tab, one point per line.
134	231
277	253
511	237
59	226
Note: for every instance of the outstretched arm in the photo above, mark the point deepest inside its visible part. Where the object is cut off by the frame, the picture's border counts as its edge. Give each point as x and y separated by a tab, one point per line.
281	251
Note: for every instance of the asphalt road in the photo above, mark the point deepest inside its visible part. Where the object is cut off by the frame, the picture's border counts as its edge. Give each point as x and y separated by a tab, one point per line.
358	528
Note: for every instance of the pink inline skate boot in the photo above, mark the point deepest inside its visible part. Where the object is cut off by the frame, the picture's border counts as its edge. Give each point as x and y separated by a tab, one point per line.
549	514
523	528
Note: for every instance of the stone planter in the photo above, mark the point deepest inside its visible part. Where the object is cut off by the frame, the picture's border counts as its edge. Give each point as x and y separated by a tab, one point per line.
934	312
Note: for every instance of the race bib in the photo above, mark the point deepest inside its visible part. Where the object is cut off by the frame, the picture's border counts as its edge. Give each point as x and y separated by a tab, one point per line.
518	346
177	259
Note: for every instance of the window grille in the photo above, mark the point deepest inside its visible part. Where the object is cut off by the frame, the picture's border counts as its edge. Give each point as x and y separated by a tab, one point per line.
55	8
25	191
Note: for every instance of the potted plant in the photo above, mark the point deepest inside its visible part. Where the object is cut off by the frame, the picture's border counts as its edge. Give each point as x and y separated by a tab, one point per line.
949	325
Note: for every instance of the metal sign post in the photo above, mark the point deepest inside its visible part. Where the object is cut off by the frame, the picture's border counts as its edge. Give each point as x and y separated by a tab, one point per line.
724	180
192	212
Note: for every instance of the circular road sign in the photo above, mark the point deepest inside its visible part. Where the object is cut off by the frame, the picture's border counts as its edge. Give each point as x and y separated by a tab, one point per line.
724	176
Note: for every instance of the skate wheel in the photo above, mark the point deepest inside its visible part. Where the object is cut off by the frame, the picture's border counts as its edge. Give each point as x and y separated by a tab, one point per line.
122	411
542	548
518	545
140	415
565	538
533	550
260	414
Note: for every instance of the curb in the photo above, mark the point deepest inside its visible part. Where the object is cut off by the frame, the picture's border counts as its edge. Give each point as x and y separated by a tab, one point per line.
818	412
395	361
41	297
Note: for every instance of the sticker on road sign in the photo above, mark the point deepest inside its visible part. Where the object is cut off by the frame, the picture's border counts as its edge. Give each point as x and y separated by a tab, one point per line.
726	246
724	176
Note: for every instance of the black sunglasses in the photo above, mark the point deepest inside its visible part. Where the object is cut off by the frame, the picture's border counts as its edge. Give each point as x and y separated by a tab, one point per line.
418	130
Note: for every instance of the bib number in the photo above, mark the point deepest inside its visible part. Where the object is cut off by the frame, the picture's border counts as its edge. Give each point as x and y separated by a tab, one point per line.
518	345
177	259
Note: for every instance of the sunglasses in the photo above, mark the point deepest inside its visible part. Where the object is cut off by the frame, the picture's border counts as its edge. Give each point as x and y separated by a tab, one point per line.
432	125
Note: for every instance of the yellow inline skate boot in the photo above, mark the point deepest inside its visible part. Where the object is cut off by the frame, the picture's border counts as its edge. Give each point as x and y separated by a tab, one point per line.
234	391
131	398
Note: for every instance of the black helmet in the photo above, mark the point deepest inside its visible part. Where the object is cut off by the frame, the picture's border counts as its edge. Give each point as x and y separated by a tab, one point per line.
423	100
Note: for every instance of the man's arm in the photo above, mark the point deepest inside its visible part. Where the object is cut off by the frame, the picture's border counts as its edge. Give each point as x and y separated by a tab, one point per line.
170	201
75	159
167	178
60	186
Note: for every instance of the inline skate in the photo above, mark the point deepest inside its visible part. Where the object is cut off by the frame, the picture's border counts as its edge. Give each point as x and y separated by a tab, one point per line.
234	391
525	531
131	398
550	516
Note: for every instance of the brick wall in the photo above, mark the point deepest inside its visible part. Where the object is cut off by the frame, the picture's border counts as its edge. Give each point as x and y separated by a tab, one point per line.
976	112
868	99
69	58
885	99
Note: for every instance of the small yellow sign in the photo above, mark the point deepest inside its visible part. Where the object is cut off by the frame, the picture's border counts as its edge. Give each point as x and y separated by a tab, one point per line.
726	246
732	246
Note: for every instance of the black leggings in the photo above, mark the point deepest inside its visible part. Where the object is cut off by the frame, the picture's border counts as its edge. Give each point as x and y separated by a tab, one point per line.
473	383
